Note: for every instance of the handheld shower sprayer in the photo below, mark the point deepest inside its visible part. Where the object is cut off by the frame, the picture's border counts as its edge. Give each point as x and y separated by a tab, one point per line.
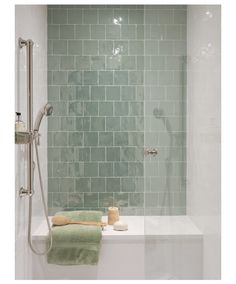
45	111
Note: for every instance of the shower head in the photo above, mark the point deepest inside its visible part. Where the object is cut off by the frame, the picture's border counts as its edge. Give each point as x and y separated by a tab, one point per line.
45	111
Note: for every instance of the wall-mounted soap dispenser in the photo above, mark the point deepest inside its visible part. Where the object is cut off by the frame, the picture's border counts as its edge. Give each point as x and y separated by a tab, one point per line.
19	124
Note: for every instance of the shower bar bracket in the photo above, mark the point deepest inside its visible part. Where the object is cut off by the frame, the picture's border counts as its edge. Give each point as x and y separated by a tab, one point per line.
29	62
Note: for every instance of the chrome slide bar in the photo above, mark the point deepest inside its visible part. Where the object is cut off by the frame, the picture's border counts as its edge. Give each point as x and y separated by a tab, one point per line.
29	51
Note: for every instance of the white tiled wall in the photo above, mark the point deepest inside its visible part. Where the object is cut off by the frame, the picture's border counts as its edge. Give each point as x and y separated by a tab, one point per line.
203	133
30	23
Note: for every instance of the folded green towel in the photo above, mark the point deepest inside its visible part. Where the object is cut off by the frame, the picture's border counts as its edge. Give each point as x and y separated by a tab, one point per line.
76	244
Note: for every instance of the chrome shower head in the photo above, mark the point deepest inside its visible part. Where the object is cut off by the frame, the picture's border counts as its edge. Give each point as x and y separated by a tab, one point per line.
45	111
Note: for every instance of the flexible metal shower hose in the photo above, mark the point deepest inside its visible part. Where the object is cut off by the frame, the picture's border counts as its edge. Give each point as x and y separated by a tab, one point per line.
44	208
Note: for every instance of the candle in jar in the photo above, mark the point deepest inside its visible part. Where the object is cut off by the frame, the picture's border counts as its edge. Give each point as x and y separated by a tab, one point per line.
113	215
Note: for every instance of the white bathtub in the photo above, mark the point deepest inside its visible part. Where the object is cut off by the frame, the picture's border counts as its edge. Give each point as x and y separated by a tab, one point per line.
159	247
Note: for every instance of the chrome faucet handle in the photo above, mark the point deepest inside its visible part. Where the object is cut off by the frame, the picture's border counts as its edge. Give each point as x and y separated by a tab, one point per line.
152	152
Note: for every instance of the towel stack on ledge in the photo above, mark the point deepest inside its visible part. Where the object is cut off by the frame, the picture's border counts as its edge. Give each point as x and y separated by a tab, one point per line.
75	244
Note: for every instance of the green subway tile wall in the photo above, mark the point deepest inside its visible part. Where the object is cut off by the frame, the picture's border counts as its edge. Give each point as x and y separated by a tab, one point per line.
116	80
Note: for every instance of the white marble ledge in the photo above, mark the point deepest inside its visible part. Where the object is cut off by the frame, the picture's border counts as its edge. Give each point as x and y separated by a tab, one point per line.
141	228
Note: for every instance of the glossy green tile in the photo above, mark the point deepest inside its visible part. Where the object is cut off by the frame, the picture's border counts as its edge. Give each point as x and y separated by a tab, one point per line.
97	62
128	31
67	185
121	47
82	62
113	153
90	47
53	185
53	31
67	123
128	93
112	123
105	138
105	16
98	154
136	47
121	108
75	108
54	123
112	31
128	124
82	32
75	200
98	123
113	93
59	16
98	31
121	169
136	138
90	169
121	199
91	139
136	108
67	154
121	138
83	154
106	200
59	169
180	17
59	77
60	200
82	184
113	63
121	16
67	63
82	93
90	77
90	16
127	184
136	199
165	16
75	139
90	199
98	93
158	62
105	78
75	47
180	48
105	47
90	109
74	16
54	154
121	78
173	32
75	77
67	32
152	47
166	47
53	93
113	184
98	184
128	62
105	169
83	123
158	32
105	108
60	138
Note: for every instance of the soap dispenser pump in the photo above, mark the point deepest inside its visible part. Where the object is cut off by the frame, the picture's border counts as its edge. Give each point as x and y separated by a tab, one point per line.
19	124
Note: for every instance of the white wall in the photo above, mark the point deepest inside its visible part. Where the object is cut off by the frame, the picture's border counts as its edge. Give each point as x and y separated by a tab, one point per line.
30	23
203	133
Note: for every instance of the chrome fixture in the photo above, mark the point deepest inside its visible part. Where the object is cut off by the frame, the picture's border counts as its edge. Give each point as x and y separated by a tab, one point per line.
30	137
152	152
45	111
29	50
